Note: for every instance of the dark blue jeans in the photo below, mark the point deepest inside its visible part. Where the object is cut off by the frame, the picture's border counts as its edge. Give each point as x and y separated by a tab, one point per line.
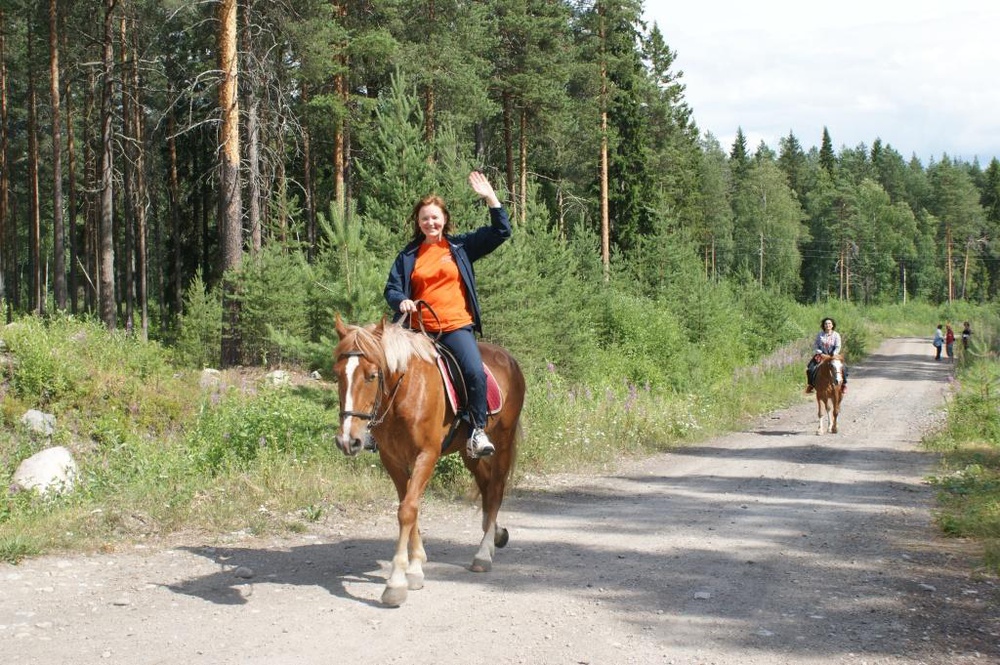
462	343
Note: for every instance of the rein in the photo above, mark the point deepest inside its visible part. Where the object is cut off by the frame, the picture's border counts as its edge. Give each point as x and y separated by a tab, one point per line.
419	323
373	419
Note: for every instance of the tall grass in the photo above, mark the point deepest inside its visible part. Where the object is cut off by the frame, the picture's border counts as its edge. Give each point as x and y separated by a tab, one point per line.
969	480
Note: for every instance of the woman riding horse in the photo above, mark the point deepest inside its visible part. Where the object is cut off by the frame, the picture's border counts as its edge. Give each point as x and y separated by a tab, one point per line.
827	344
390	391
436	268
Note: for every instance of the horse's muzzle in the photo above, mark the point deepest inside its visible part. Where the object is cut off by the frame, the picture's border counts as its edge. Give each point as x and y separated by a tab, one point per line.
352	445
349	445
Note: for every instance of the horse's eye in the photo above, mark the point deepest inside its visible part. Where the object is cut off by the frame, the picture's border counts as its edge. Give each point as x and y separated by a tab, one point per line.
371	376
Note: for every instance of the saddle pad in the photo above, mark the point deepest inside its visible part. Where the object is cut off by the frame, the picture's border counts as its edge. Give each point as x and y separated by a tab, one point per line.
494	398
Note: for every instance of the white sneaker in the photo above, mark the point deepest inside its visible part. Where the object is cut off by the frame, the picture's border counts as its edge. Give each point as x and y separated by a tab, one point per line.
479	445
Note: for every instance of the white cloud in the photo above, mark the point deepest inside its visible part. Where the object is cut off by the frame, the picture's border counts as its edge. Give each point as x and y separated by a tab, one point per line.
919	74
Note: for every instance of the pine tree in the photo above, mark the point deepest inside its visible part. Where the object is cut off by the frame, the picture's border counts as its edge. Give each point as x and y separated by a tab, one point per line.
827	157
792	161
398	170
991	206
960	214
739	157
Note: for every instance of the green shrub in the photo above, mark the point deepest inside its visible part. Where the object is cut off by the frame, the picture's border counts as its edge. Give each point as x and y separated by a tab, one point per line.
239	429
199	337
44	370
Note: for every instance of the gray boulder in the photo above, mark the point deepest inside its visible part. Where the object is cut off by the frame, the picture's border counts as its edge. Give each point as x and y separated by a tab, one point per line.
52	470
38	422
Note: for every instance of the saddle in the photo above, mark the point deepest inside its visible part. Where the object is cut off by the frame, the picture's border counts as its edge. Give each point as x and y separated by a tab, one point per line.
454	384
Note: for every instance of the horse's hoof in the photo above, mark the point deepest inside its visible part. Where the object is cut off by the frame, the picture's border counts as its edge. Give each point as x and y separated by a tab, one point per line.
501	538
414	582
394	596
481	566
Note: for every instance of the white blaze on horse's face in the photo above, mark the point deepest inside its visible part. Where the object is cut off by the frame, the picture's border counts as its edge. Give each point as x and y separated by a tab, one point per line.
349	440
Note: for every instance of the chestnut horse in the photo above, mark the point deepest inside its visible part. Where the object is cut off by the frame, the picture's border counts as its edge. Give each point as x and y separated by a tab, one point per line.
392	399
827	381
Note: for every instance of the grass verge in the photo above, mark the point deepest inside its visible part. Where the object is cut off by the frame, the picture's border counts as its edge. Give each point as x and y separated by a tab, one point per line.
968	481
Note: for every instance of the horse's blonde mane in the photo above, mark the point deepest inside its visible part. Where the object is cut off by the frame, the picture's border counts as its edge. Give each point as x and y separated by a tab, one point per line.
392	350
400	344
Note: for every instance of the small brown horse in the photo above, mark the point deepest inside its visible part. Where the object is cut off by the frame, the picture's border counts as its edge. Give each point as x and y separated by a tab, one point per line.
392	398
828	392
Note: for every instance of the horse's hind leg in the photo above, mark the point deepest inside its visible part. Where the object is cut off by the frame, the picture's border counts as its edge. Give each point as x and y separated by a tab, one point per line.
483	471
491	478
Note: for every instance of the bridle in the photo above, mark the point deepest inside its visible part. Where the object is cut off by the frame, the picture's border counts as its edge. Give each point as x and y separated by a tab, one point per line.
373	419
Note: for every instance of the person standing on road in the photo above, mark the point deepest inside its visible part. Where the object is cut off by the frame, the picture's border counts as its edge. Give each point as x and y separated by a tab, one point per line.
966	336
949	341
938	342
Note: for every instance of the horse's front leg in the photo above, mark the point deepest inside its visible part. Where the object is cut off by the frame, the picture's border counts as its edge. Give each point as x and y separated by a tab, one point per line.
407	562
820	411
418	557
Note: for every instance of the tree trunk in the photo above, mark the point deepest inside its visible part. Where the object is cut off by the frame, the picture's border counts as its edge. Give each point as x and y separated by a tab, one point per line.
129	197
106	226
340	131
523	187
429	99
175	215
140	194
760	269
37	265
847	274
59	264
253	150
253	175
281	184
202	202
7	235
230	222
605	213
947	245
91	230
508	150
965	269
71	226
309	187
340	153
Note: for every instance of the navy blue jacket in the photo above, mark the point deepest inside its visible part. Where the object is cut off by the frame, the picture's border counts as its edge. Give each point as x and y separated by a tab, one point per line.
465	248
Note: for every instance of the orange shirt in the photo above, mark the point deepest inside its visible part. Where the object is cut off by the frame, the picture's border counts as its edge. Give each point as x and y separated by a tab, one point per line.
436	281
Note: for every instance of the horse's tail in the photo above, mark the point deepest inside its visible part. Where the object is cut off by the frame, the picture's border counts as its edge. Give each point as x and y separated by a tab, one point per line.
516	446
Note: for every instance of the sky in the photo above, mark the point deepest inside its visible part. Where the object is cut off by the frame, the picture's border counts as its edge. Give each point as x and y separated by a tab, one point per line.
922	75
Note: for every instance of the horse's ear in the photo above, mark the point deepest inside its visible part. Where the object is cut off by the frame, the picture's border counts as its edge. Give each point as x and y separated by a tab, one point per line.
380	328
340	327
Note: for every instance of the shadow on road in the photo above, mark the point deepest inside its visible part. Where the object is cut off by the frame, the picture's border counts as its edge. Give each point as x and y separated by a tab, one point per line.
729	545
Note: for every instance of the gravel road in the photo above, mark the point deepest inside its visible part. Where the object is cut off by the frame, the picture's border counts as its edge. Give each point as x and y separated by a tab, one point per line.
766	547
